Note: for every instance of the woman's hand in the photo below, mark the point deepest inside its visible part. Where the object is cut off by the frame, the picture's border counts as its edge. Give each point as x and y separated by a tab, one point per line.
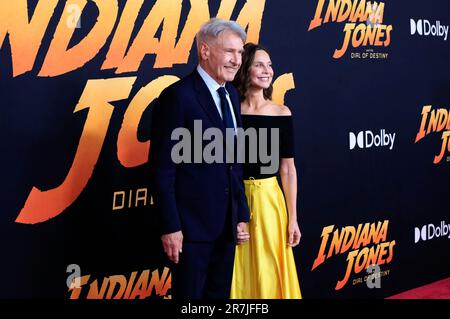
294	234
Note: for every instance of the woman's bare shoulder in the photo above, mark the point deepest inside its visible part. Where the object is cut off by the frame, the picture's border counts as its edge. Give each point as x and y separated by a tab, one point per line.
280	110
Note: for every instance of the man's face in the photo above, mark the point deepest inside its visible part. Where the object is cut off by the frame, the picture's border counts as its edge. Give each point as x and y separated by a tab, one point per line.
222	57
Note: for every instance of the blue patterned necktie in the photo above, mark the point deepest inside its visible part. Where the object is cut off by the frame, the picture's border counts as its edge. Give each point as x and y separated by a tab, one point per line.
227	118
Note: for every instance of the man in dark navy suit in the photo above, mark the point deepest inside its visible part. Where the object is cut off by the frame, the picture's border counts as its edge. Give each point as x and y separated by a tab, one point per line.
201	206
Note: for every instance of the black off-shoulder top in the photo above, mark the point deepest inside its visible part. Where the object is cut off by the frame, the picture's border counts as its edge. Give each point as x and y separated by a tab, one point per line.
284	143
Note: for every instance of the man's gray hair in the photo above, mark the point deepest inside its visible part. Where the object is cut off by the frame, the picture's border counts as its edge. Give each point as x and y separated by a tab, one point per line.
215	27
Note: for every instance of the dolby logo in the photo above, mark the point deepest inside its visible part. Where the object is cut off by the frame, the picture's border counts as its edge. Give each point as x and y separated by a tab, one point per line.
426	28
430	231
368	139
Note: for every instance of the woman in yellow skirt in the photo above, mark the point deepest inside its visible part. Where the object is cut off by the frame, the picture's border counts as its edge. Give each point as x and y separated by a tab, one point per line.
264	267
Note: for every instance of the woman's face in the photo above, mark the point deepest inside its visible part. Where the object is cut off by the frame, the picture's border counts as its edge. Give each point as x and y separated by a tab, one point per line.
261	73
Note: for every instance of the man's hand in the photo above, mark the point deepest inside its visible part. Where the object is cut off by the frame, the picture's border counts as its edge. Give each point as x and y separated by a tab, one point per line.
242	233
173	245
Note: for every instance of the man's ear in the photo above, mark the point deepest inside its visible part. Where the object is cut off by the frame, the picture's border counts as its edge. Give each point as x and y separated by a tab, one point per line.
204	51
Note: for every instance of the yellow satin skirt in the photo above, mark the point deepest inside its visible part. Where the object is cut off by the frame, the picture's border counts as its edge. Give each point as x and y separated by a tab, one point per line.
264	267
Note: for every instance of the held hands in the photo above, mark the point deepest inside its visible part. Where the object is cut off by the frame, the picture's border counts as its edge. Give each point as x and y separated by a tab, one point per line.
242	233
173	244
294	234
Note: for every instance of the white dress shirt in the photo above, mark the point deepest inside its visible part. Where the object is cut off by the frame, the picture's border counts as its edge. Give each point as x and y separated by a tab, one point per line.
213	86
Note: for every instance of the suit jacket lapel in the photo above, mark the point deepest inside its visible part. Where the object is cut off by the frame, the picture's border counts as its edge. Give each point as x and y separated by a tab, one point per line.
206	100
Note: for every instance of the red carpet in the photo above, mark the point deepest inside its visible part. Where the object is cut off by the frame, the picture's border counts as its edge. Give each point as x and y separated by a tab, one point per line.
436	290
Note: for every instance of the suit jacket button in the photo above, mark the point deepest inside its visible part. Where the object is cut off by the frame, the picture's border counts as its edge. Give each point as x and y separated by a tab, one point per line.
226	190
